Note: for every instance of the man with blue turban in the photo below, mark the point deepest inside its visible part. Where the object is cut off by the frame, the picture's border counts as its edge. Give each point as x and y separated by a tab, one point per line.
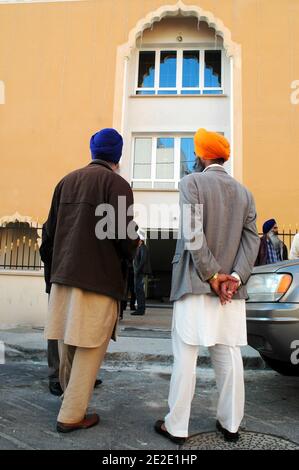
106	145
272	249
87	281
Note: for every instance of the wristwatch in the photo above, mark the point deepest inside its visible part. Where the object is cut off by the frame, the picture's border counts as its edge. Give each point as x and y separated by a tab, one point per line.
214	277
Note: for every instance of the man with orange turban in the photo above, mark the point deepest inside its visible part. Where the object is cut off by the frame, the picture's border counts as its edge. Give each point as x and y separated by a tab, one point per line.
215	254
211	145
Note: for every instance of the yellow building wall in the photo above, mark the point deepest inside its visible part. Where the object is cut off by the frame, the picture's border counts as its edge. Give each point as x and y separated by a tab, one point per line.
57	61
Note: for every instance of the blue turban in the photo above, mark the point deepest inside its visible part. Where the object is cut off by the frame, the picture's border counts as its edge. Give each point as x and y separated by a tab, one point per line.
107	145
268	225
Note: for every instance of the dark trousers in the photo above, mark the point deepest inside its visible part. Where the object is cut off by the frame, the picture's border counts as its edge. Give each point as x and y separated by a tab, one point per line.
131	291
53	360
139	291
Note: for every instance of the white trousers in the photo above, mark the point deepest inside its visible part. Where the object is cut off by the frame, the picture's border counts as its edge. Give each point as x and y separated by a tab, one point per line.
228	366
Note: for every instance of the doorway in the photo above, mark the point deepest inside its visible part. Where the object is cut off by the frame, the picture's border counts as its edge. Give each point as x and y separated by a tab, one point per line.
161	251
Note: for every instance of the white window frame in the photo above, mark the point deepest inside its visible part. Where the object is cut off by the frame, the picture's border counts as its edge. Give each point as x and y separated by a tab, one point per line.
177	159
179	72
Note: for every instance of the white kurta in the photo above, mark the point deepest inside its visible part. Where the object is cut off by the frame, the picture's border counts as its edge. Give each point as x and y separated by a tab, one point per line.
294	253
202	320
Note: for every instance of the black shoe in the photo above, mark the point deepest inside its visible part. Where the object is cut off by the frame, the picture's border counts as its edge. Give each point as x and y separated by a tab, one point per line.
228	436
133	309
97	383
177	440
137	312
55	389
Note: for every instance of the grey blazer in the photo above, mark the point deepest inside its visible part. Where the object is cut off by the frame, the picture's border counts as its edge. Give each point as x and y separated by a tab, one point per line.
230	240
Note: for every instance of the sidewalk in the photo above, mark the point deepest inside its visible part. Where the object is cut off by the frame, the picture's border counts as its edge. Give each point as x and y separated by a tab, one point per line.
141	339
129	402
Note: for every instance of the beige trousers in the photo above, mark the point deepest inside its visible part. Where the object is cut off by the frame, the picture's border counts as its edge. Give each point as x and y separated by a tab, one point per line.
77	374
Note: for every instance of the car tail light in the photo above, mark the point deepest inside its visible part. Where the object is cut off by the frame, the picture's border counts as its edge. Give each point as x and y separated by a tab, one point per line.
268	287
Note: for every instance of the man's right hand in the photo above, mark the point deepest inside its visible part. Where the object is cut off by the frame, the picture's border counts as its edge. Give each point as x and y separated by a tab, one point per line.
224	286
228	288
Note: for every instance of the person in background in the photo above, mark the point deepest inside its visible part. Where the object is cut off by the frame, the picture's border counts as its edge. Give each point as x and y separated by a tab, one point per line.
272	249
294	253
141	267
130	290
46	252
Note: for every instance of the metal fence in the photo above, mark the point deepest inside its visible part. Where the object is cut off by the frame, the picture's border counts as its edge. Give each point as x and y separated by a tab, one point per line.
19	245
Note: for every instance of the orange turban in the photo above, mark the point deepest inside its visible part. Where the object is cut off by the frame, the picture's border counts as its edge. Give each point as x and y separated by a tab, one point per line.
211	145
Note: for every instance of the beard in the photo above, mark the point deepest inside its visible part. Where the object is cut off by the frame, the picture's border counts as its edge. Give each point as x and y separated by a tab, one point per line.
198	166
274	240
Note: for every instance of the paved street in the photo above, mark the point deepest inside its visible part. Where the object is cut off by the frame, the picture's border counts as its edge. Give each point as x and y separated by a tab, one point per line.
134	392
129	401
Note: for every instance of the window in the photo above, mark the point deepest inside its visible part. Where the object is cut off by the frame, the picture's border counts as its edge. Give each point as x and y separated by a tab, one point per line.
168	65
160	162
187	157
180	71
142	162
165	158
146	76
191	70
212	69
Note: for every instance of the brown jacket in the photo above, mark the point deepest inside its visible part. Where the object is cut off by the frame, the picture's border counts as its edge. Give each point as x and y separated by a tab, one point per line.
80	259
